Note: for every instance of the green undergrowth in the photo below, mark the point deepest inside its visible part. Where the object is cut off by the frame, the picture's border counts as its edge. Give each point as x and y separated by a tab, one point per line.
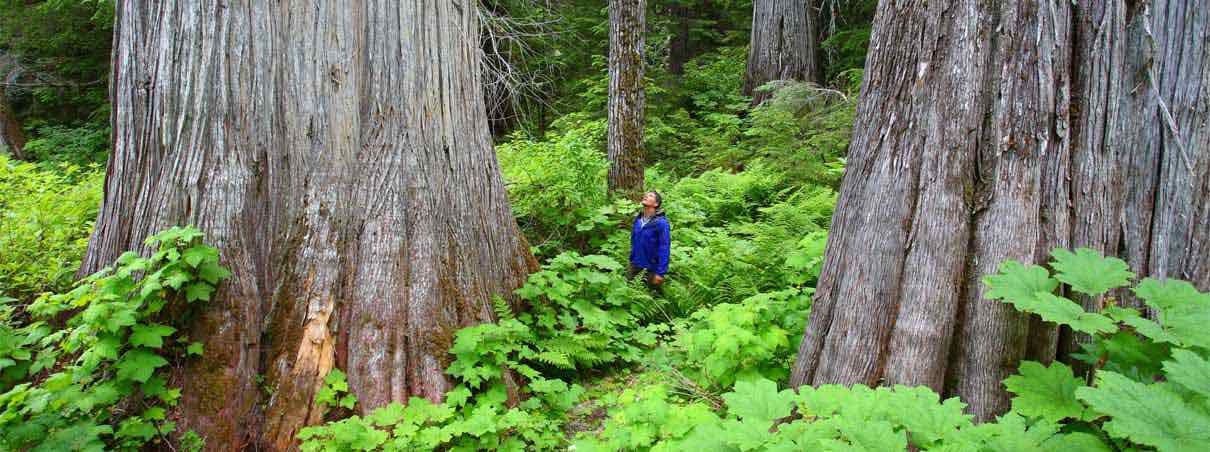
715	381
87	369
46	217
1149	392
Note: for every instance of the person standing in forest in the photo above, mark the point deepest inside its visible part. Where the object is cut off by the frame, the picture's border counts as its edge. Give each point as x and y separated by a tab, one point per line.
650	241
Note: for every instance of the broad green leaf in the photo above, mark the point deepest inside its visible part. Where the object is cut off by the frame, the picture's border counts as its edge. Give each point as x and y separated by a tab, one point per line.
1189	370
198	291
177	278
194	348
348	401
748	434
195	255
136	428
1016	283
1062	311
1076	442
601	262
388	415
212	272
1088	272
336	380
107	346
150	335
154	413
1045	392
872	435
139	364
759	400
1148	414
1183	311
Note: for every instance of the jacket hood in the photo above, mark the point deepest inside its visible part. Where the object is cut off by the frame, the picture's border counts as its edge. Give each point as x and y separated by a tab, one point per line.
658	213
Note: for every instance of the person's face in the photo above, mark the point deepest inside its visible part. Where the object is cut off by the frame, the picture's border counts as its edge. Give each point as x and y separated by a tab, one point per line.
649	201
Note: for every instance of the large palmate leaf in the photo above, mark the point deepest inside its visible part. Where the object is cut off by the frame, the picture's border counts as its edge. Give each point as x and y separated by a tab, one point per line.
759	400
1148	414
1088	272
1045	392
1017	282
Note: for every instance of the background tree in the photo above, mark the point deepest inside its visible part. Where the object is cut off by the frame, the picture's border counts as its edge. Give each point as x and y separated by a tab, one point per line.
347	177
783	46
627	19
939	192
12	137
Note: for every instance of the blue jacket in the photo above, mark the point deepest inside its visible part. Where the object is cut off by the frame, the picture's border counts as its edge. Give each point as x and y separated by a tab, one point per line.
649	244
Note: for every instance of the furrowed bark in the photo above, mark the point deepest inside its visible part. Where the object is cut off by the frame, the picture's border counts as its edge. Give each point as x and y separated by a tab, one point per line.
1165	115
783	45
627	96
956	128
1067	142
338	155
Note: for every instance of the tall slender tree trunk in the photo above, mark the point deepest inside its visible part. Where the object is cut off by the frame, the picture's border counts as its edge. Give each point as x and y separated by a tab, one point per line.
627	97
12	137
338	155
1009	136
680	49
783	45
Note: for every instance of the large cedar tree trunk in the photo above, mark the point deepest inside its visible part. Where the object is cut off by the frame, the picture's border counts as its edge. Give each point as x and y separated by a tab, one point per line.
338	155
12	138
783	45
627	19
1001	130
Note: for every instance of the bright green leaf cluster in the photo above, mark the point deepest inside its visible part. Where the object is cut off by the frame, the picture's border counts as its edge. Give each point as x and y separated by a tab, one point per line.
110	355
1151	377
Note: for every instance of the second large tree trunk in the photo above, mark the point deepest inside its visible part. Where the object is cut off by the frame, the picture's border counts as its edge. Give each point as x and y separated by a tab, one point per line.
783	45
338	155
627	19
968	151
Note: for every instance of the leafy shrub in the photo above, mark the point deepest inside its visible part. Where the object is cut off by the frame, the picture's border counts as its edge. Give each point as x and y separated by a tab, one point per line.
555	184
714	80
756	338
83	145
831	417
1151	377
97	382
779	246
1150	389
803	129
581	312
45	219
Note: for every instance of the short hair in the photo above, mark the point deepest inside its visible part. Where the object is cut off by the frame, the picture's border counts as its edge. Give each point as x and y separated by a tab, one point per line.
659	200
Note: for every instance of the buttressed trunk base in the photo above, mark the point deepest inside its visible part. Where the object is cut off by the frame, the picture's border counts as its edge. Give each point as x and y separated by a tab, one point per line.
338	155
1063	143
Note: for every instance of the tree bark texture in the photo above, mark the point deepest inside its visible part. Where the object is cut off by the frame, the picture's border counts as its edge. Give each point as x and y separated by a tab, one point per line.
627	97
338	155
12	137
990	131
1164	132
783	45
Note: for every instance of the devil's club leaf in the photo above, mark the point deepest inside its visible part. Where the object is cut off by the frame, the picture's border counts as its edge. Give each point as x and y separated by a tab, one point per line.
1088	272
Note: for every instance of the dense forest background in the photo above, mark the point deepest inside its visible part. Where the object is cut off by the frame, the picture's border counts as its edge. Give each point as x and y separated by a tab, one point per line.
895	225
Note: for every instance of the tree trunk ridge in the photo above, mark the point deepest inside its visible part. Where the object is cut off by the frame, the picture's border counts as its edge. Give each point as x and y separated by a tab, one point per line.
627	96
783	45
338	155
943	186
